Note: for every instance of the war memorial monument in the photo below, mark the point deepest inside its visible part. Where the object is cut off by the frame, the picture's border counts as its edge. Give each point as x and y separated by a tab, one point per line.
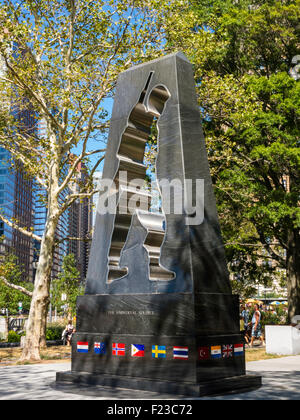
158	312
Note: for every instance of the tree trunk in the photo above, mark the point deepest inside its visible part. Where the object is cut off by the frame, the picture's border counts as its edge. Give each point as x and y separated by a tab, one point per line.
37	320
293	274
36	324
6	327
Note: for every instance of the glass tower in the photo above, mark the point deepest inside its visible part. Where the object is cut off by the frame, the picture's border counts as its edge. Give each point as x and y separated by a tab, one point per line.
7	197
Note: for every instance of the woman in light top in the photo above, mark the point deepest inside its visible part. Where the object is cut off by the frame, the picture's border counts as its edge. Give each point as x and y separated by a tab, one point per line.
256	326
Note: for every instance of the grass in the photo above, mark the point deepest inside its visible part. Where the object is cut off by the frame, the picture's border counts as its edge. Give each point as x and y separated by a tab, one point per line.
259	353
11	356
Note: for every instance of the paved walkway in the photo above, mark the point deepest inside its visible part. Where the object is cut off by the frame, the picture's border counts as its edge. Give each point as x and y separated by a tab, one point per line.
281	380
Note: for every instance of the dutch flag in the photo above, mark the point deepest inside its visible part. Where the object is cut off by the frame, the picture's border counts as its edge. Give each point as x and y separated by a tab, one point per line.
238	349
82	347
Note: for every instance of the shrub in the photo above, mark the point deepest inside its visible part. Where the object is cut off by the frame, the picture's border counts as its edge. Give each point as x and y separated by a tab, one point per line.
13	337
279	318
54	332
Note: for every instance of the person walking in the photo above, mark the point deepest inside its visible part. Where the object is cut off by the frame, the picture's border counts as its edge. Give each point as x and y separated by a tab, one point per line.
245	314
245	318
256	326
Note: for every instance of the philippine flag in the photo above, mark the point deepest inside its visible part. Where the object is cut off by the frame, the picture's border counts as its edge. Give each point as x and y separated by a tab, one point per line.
238	349
118	349
180	352
82	347
137	350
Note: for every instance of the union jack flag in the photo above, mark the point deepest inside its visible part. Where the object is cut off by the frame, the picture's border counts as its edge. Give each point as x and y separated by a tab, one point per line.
227	351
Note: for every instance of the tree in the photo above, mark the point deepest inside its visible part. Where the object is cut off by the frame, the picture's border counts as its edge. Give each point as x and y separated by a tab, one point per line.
243	53
12	289
68	284
61	62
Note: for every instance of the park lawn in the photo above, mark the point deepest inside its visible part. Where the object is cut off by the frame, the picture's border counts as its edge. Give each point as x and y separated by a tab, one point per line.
259	353
51	354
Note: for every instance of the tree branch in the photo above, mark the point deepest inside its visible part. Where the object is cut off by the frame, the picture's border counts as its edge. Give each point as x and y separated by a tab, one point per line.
14	225
74	166
65	111
270	250
14	286
71	238
250	245
23	85
69	200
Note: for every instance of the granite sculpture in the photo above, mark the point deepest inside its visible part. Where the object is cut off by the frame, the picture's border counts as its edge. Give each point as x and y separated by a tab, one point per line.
158	312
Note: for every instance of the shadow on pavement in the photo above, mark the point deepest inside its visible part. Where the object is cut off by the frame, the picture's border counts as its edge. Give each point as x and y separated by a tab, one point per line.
33	382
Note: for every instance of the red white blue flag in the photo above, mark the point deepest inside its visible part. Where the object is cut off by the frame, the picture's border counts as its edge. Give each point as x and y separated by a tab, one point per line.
118	349
82	347
180	352
137	350
238	349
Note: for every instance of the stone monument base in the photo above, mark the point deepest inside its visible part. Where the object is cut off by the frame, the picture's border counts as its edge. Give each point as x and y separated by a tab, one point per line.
236	384
173	343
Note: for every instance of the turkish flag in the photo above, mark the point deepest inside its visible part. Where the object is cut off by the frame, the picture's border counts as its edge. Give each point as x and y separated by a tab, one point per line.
203	353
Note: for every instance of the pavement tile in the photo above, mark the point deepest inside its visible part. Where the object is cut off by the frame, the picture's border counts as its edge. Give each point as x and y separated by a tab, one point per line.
281	381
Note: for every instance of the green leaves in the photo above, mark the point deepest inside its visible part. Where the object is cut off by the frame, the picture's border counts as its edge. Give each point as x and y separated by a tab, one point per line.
242	53
9	297
67	284
61	61
66	59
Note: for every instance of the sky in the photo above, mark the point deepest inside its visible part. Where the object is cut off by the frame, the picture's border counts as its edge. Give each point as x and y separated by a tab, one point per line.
94	145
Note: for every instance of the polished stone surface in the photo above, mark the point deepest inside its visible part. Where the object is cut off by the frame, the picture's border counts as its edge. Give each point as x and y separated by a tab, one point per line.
163	290
190	370
178	314
213	387
191	257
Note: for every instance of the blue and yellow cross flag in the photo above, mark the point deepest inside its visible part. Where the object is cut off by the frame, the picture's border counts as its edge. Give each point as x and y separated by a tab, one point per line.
159	351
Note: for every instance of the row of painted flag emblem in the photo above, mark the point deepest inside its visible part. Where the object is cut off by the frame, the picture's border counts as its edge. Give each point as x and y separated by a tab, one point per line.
179	352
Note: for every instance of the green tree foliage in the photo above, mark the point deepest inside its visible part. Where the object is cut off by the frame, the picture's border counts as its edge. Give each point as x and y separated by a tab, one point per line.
242	53
68	284
9	297
61	60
